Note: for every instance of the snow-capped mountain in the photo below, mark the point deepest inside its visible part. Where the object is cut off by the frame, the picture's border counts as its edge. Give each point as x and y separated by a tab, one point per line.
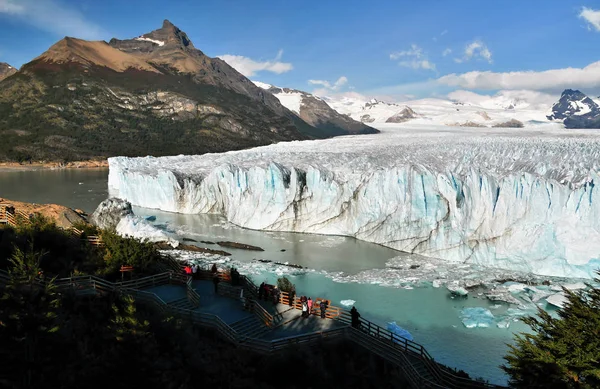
577	110
573	103
506	109
316	112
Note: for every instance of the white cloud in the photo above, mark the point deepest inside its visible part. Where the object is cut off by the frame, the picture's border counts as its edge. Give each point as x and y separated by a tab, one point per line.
414	51
249	67
413	58
418	64
340	82
447	52
552	80
591	16
475	49
52	16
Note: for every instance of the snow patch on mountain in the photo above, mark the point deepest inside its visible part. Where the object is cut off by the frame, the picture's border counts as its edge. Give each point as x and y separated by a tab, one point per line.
141	38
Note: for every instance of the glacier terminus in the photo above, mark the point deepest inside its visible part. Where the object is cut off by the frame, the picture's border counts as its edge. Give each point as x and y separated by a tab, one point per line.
519	199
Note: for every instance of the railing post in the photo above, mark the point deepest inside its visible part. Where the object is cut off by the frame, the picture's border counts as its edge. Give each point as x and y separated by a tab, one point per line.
369	328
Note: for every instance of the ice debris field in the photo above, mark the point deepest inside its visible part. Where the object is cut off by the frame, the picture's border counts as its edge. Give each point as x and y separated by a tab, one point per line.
520	199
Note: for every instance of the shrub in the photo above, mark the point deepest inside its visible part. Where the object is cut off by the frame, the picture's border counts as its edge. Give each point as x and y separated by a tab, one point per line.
284	284
560	352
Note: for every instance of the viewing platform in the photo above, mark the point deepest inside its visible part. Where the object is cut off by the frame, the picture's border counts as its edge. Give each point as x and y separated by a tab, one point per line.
235	313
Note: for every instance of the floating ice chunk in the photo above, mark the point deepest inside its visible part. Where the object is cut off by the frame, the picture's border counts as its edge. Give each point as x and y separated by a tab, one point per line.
515	287
396	329
437	283
347	303
503	323
139	228
575	286
457	290
476	317
558	299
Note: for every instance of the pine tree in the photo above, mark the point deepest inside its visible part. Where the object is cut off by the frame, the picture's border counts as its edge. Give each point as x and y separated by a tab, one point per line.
28	312
561	352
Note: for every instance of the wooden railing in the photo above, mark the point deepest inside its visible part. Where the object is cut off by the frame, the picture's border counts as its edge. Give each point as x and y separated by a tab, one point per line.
409	347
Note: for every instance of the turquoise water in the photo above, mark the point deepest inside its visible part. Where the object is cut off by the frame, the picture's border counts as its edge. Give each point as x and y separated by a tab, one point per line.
430	314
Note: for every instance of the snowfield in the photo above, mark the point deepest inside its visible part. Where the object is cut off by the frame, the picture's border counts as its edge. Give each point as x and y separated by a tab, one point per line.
520	199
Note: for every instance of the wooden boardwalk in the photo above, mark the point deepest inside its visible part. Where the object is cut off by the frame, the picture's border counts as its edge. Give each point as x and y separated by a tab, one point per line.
236	315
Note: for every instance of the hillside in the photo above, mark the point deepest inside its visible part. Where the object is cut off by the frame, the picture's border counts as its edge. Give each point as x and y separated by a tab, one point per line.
82	100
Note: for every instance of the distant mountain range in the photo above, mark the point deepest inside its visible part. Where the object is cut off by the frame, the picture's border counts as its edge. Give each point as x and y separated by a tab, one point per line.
155	94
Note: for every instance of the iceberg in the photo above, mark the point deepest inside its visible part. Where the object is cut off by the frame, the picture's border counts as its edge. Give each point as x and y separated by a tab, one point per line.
347	303
476	317
522	201
401	332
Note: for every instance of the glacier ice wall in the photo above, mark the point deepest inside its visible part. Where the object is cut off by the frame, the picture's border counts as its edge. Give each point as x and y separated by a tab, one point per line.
521	203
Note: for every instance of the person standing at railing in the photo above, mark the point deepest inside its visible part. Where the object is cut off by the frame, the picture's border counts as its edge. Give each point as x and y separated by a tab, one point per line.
304	309
261	290
323	306
309	302
216	281
275	295
292	295
355	317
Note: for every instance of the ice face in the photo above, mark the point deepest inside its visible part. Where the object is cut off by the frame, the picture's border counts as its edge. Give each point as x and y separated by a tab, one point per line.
515	200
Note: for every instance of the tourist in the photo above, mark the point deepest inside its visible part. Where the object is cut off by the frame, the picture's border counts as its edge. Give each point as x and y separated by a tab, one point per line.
261	290
310	305
187	269
194	270
292	295
355	317
323	306
275	295
216	281
214	269
304	309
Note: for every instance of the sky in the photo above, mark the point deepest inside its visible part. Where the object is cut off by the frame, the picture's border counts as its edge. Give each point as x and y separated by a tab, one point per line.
391	49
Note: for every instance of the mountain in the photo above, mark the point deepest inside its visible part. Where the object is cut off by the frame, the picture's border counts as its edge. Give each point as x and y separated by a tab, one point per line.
403	116
6	70
152	95
316	112
466	109
577	110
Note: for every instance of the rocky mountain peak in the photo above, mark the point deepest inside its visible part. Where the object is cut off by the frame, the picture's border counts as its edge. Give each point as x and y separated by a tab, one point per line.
6	70
573	103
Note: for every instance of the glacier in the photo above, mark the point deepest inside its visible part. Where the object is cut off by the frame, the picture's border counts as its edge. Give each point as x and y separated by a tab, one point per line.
512	199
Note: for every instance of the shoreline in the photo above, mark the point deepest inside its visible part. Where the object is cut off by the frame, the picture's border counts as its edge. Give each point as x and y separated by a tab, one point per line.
17	166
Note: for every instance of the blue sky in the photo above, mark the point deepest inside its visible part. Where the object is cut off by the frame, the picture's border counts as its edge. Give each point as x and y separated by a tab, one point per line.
390	48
